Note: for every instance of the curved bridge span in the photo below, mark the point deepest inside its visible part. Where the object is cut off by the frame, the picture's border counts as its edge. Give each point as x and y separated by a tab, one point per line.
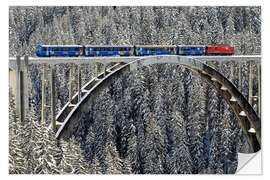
246	116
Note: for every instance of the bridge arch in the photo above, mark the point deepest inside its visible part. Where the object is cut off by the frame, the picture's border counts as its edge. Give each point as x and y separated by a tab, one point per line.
246	116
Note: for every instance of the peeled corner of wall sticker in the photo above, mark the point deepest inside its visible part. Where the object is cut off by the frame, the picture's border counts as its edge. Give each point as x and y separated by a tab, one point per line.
249	163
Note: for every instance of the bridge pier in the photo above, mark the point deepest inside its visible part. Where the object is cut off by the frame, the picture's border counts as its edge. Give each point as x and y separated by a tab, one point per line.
239	77
43	95
250	89
259	88
52	84
70	82
79	82
96	69
21	89
104	69
44	105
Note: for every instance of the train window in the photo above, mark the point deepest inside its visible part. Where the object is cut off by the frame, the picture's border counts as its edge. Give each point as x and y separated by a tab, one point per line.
163	49
186	49
65	49
56	49
70	49
61	49
44	49
76	49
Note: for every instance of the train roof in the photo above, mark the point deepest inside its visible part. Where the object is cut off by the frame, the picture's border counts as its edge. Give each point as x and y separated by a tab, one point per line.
155	45
182	45
109	45
71	45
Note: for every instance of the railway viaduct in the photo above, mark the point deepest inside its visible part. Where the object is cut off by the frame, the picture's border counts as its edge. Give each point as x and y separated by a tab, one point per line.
68	117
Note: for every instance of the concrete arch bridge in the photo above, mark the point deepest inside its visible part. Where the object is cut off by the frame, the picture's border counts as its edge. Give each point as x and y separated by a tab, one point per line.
68	117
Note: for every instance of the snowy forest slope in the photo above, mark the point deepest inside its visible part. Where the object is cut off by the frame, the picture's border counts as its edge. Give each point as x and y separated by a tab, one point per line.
162	118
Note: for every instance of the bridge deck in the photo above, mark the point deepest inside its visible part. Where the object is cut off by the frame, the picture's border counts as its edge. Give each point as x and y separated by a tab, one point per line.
125	59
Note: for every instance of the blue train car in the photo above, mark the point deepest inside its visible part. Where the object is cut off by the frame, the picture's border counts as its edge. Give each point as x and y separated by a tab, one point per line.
42	51
109	50
191	50
142	50
60	50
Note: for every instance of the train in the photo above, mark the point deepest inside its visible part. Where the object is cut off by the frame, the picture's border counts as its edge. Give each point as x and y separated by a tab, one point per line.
132	50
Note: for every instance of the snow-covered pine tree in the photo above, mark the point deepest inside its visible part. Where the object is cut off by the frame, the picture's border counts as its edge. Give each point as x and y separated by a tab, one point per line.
196	126
65	166
229	31
229	138
73	161
89	145
126	166
45	153
180	161
154	148
112	159
94	167
214	127
16	156
137	100
53	148
29	137
132	150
